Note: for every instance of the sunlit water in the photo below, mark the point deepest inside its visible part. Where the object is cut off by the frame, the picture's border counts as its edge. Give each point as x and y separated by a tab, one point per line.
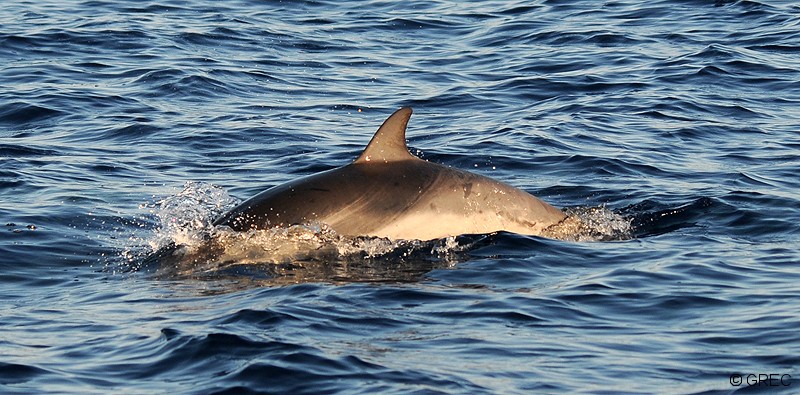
667	130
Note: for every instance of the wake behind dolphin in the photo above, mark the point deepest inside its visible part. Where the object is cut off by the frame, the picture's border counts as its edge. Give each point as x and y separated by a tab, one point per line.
388	192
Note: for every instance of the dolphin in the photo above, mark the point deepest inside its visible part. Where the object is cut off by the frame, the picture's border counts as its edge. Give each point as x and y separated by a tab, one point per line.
388	192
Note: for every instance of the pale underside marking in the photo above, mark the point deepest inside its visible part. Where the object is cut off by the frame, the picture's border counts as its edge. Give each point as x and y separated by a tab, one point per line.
428	226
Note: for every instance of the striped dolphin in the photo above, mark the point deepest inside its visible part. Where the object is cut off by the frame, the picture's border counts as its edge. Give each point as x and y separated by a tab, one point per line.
388	192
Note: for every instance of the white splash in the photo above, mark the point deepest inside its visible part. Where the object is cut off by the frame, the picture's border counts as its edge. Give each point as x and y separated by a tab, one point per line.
186	217
591	224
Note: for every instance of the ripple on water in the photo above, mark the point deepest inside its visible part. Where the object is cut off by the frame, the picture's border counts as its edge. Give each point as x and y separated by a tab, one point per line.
667	129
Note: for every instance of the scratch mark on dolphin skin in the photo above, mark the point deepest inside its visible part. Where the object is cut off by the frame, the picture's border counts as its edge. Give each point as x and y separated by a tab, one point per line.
467	189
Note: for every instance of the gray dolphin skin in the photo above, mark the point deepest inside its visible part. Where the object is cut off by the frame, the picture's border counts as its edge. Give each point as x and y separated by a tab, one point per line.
388	192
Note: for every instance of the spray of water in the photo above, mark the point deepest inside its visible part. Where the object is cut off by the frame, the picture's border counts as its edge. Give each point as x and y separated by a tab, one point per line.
591	224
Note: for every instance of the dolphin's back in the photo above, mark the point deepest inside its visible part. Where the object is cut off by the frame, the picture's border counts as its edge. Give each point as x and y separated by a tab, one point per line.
411	199
388	192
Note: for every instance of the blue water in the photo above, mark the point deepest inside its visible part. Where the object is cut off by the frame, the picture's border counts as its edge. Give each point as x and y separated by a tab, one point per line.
126	125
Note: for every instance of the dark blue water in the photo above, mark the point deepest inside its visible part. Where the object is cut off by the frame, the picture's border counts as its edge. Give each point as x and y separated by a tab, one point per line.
126	125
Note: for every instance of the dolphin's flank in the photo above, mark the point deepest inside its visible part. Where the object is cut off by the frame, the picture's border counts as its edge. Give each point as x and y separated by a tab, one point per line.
388	192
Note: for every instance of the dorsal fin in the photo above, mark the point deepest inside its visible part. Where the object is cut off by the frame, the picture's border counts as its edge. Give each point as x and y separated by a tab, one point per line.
389	142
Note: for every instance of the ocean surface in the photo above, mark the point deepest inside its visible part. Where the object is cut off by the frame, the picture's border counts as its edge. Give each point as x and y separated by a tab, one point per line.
671	128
